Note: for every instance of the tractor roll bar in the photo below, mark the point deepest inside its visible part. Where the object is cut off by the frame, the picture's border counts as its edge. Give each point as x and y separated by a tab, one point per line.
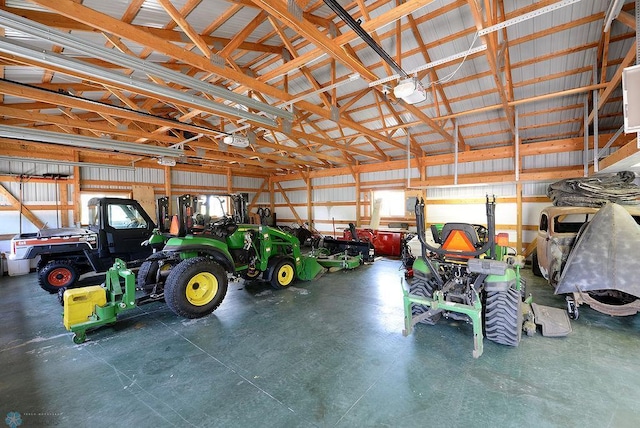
491	226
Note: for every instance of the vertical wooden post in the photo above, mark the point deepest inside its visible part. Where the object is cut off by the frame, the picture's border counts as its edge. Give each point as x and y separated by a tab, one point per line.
309	200
272	196
519	218
423	179
64	202
358	213
229	206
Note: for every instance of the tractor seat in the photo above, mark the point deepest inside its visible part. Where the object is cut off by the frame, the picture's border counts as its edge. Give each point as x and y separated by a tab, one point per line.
459	237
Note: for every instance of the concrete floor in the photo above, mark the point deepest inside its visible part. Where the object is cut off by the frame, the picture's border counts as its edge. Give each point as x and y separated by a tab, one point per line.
322	353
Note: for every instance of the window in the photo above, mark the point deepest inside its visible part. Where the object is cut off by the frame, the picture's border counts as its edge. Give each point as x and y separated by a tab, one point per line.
570	223
124	216
216	207
91	218
544	223
392	202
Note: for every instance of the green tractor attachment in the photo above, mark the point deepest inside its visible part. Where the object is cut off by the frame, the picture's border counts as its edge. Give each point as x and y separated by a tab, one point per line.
469	278
336	262
90	307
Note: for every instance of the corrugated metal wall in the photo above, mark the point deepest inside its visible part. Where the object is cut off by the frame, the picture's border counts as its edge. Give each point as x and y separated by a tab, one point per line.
196	179
333	197
471	192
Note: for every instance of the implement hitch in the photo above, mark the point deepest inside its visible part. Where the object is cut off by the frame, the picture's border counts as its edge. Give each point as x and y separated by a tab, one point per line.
438	304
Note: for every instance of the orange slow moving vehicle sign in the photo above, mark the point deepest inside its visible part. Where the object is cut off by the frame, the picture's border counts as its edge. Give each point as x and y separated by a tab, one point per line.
458	241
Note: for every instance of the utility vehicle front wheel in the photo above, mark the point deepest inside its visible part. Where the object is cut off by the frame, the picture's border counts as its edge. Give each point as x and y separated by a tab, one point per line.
503	317
57	274
195	287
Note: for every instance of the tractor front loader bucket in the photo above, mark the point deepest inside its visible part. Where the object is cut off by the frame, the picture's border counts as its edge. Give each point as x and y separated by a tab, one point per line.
310	269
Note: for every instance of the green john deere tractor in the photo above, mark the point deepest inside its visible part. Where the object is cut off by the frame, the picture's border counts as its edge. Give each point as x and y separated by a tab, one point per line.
207	247
469	278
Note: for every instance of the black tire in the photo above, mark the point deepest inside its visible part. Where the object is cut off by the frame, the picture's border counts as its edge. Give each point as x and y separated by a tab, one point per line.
250	274
57	274
61	292
195	287
147	273
423	287
503	317
283	274
535	267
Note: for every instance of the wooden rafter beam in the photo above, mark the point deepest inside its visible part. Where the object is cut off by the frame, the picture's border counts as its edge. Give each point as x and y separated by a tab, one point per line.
615	80
180	20
379	21
57	99
492	58
66	23
278	9
242	35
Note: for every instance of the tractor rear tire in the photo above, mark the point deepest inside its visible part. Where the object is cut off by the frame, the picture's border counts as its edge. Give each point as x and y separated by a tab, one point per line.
57	274
283	274
195	287
147	274
503	317
423	288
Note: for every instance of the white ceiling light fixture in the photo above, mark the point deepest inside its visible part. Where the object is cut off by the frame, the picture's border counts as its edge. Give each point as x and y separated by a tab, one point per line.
164	161
410	90
236	140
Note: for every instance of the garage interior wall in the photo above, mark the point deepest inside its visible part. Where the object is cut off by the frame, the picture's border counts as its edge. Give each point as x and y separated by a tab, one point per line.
329	199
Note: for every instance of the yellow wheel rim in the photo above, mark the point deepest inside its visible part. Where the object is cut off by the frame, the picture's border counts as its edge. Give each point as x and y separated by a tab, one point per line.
201	289
285	275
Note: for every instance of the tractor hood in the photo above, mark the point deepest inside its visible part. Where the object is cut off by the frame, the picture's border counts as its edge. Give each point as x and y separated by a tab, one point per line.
604	256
